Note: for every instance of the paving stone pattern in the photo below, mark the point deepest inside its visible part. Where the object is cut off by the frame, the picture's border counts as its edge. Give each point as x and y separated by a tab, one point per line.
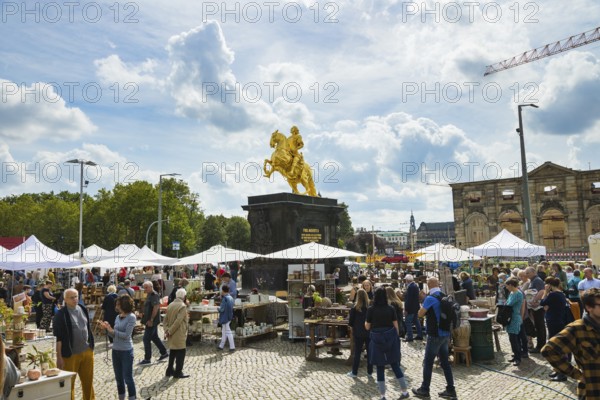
276	369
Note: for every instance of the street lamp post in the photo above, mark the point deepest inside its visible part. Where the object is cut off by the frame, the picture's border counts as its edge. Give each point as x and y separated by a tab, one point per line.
159	233
525	198
81	163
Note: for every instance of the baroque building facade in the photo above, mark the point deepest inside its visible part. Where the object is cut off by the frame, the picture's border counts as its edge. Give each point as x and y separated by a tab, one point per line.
565	208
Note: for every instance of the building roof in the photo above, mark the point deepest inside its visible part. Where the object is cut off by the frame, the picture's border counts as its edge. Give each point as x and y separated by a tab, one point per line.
436	226
10	242
547	169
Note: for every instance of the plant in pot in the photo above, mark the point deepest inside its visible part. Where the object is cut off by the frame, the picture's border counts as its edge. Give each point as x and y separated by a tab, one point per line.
195	297
46	360
33	373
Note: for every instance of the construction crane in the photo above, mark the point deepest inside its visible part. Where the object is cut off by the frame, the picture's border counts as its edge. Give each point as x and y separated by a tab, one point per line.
548	50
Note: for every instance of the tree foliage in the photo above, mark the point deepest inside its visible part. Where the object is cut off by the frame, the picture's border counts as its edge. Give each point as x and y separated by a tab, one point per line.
122	215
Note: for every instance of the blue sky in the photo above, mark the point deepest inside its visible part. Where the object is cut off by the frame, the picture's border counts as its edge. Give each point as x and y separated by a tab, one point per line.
388	95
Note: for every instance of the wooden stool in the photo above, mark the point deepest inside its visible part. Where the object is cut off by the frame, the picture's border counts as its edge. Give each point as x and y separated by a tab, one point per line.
495	330
466	351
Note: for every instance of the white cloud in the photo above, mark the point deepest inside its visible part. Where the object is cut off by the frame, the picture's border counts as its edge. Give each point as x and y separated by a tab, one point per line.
29	113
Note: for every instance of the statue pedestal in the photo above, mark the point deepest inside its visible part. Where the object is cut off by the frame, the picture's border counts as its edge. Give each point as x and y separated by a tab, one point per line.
283	220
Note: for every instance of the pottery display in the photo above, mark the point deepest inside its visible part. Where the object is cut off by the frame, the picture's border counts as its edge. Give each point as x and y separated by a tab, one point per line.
462	334
478	313
34	374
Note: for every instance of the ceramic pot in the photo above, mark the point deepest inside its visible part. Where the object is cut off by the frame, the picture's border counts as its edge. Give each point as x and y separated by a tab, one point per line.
462	334
34	374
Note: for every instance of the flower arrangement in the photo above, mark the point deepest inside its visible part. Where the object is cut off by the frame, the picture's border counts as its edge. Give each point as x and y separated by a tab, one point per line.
194	297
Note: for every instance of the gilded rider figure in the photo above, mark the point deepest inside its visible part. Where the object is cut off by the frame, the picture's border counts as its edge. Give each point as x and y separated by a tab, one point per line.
295	143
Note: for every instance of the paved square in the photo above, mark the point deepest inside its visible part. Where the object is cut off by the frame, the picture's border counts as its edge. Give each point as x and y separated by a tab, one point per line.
276	369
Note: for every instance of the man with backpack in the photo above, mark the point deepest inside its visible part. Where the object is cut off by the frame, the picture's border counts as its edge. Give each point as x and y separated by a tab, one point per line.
438	326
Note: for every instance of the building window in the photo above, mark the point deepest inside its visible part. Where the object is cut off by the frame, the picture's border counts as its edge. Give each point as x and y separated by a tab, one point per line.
550	190
595	187
474	197
508	194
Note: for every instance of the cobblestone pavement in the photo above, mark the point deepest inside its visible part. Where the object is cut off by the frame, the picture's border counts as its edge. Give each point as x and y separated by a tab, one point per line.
276	369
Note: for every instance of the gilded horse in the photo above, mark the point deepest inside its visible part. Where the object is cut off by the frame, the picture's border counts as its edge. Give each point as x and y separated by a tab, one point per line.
282	161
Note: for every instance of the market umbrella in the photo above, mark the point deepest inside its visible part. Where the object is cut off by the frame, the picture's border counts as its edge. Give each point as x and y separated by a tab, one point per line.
33	254
448	253
312	251
217	254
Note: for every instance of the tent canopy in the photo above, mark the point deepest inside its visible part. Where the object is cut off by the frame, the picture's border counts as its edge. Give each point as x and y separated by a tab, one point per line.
33	254
123	256
312	251
445	253
122	251
92	254
217	254
505	244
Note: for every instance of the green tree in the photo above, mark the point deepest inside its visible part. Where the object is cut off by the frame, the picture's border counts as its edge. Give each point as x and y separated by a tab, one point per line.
238	233
345	230
213	232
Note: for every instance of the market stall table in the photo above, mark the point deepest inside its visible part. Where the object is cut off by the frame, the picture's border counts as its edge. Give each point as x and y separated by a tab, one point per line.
332	340
47	388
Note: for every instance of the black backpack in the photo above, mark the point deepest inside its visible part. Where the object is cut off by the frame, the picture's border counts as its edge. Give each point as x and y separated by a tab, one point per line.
449	312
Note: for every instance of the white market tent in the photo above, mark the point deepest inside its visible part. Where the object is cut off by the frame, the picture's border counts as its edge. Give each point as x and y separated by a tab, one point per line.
446	253
122	251
312	251
127	256
429	249
217	254
594	242
505	244
33	254
92	254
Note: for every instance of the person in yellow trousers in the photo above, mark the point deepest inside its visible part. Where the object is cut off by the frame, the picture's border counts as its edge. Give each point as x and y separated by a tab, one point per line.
75	343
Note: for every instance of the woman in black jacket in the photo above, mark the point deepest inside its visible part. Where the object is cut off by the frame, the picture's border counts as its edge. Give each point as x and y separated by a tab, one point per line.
358	316
384	346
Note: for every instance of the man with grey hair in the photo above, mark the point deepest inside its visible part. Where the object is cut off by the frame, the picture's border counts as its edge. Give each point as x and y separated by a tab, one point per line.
589	282
151	320
411	308
176	328
75	343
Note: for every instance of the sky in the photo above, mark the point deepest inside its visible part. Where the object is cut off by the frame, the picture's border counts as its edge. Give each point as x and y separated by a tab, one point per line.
389	97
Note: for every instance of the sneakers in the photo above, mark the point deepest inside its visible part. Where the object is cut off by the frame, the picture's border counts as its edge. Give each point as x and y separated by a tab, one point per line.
163	356
448	394
420	393
351	375
145	362
219	348
404	396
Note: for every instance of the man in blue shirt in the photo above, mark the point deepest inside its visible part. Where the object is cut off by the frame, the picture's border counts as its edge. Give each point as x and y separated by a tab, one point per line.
437	343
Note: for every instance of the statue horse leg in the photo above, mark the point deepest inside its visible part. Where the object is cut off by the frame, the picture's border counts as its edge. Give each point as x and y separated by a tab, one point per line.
308	182
268	172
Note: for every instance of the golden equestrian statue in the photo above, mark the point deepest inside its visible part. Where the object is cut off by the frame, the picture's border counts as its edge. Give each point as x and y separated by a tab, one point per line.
289	162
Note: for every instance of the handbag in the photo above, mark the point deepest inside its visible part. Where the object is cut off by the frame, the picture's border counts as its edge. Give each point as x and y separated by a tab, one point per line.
504	315
529	327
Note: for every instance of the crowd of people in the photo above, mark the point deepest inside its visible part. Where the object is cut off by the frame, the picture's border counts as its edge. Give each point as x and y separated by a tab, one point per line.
379	320
543	301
